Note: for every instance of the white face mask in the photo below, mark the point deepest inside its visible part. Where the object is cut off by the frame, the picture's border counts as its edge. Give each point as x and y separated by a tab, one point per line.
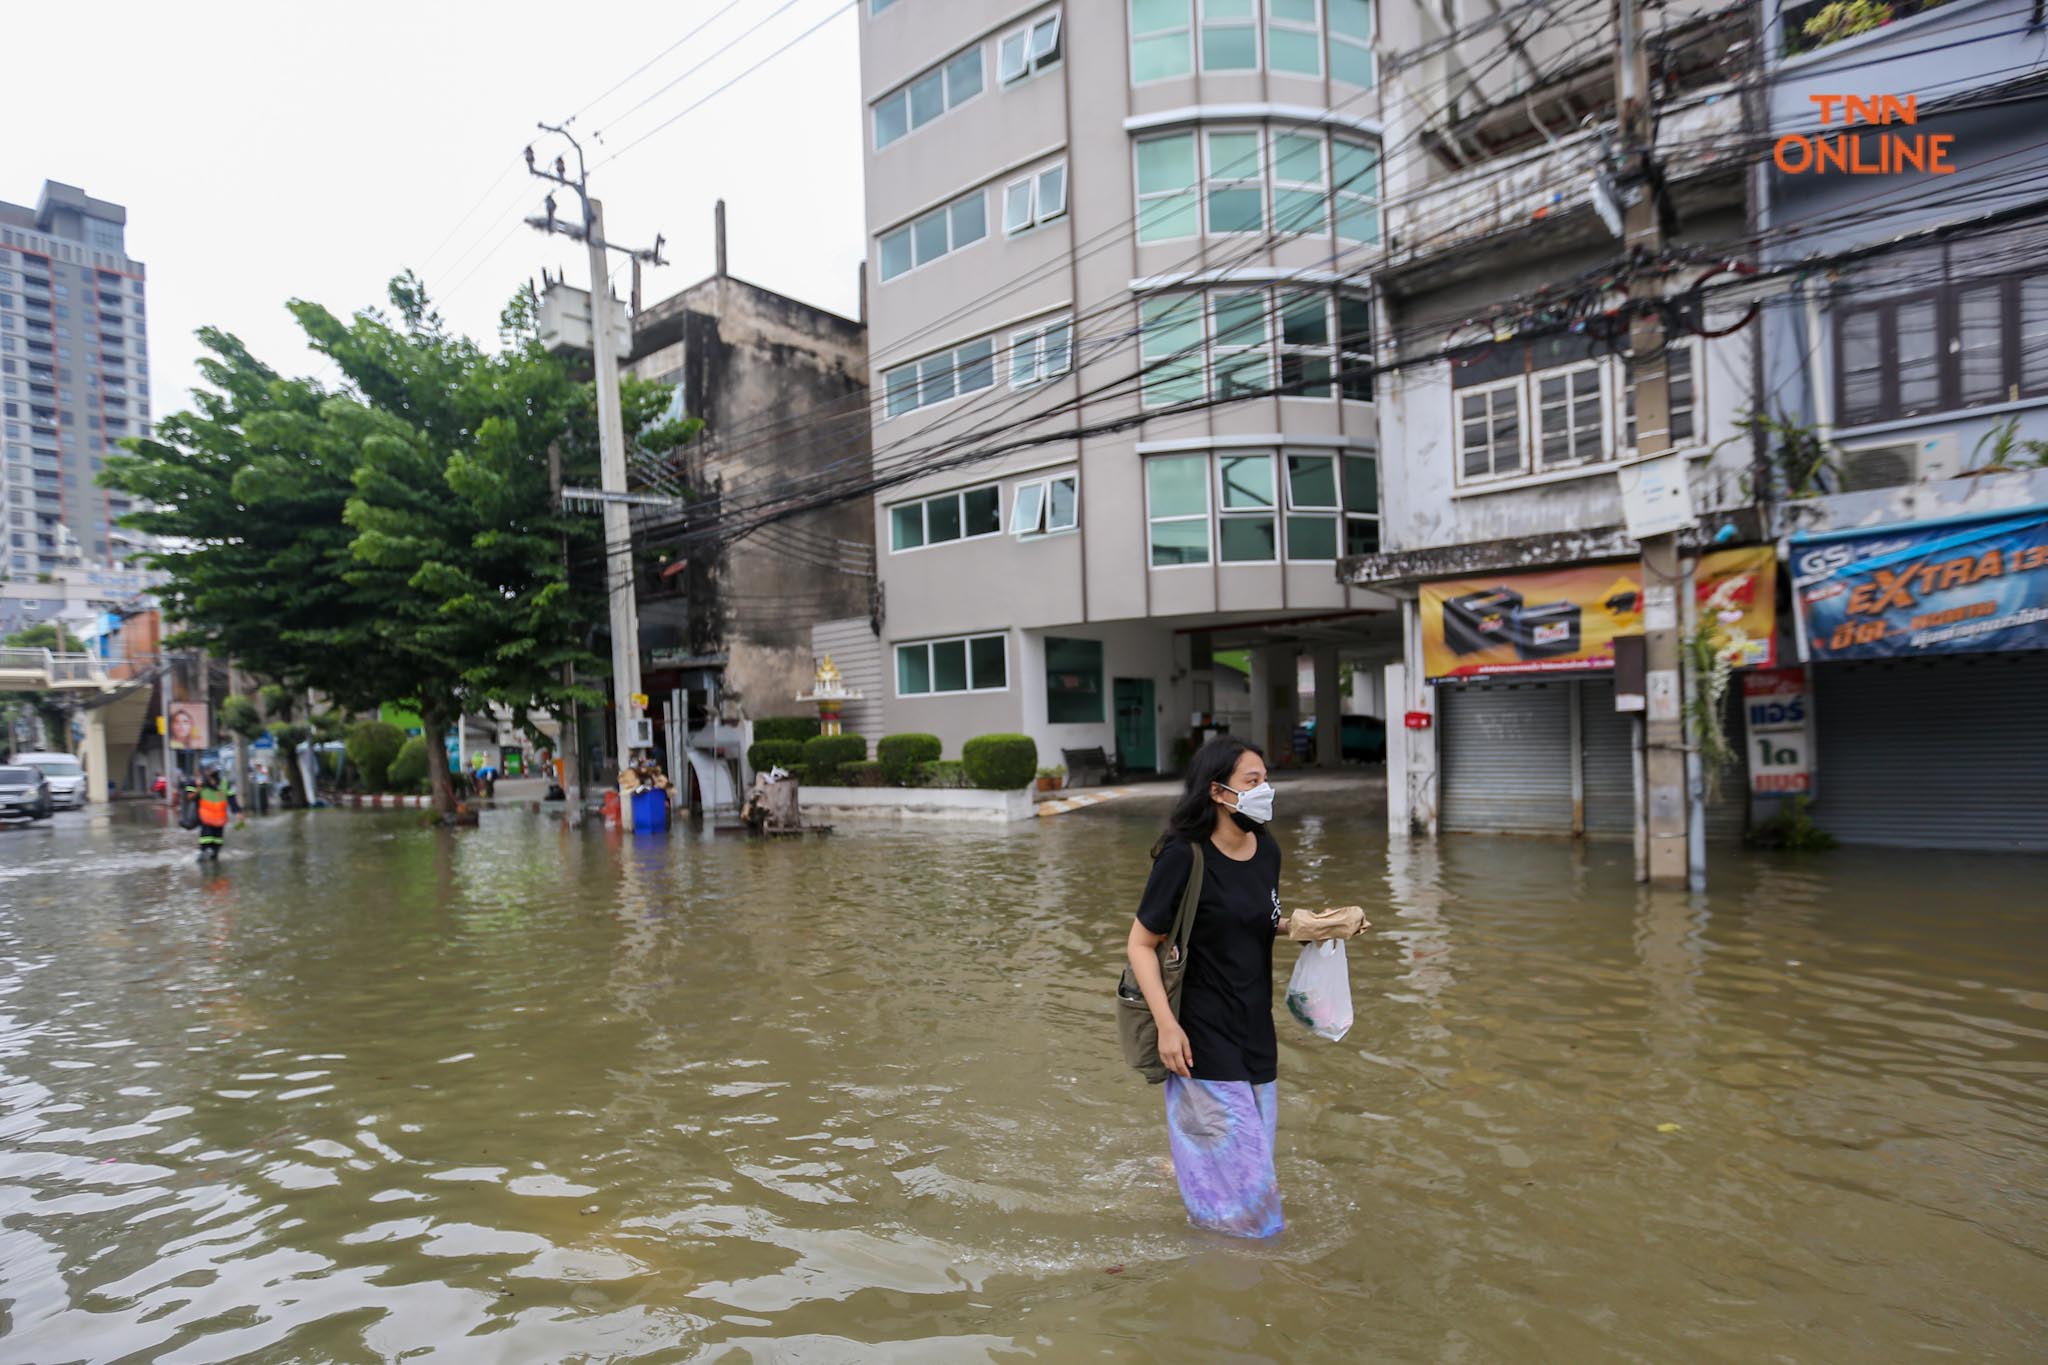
1256	804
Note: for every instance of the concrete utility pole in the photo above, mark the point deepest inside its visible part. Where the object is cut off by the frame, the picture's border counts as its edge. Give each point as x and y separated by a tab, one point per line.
1666	576
618	522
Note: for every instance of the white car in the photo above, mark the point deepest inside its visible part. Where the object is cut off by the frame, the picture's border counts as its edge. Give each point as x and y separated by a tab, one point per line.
66	777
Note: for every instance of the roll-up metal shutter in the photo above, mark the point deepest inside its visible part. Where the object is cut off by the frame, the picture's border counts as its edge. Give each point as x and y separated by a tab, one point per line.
1607	742
1935	753
1506	756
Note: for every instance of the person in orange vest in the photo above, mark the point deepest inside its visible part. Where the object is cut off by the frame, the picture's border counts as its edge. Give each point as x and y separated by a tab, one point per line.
216	800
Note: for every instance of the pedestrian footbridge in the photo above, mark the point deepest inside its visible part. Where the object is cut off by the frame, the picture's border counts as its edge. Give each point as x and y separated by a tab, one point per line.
46	670
111	697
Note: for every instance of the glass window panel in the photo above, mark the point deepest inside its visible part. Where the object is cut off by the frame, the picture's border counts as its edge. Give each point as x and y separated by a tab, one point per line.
927	98
895	253
1357	222
1150	16
1056	351
1180	542
1233	156
1045	41
1227	9
1294	51
1311	481
1293	11
892	119
1361	484
1244	540
1176	485
942	519
1351	18
1013	56
1161	57
1247	480
989	664
906	525
1166	163
1243	372
1064	501
1351	64
1026	505
1298	159
1052	192
1073	681
1354	167
1862	365
1305	320
976	365
1237	210
949	666
2033	358
1354	322
1230	49
1305	375
1361	536
937	372
913	670
1017	207
983	507
1311	537
902	386
963	76
1164	219
1300	210
970	220
1241	319
1919	357
930	234
1980	328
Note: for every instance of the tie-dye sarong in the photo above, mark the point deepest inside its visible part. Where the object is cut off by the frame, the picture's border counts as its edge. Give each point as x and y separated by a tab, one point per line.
1222	1134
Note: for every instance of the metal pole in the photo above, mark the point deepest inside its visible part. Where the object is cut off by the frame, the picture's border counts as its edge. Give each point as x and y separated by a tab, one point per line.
1666	582
170	787
618	522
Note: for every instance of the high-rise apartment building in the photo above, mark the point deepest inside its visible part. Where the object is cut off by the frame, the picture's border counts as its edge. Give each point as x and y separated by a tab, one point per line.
1121	331
74	377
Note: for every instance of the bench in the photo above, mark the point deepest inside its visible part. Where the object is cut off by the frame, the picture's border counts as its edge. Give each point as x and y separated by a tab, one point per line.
1081	761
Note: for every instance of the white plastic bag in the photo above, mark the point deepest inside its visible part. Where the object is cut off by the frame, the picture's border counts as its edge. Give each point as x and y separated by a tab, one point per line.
1319	992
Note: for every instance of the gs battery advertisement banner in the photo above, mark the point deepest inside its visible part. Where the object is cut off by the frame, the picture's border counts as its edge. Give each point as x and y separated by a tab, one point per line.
1950	588
1565	620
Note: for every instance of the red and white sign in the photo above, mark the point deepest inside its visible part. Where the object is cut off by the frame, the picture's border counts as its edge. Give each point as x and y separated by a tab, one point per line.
1419	720
1774	713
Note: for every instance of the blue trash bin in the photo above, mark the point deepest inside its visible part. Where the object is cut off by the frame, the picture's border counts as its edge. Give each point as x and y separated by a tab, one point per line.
650	810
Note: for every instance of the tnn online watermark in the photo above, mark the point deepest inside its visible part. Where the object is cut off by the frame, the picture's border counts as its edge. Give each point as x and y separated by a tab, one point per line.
1846	153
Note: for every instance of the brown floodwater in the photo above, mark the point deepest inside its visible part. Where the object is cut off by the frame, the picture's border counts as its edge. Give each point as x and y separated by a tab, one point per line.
371	1092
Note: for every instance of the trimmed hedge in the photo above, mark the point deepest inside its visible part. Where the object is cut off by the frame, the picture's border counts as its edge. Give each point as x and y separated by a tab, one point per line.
866	773
1000	762
825	754
408	771
371	746
798	728
900	755
941	773
764	754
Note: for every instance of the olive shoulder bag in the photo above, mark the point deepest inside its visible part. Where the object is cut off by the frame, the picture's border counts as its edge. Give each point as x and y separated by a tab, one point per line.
1136	1028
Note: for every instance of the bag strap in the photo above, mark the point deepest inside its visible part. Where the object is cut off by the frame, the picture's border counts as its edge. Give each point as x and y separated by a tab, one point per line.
1184	918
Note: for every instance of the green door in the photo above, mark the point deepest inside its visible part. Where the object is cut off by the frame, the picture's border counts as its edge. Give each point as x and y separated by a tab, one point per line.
1137	735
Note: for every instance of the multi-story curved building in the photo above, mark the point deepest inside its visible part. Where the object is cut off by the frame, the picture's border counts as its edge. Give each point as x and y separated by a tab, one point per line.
1121	337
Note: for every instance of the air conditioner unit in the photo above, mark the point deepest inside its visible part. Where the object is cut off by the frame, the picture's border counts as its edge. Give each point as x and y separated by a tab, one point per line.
1901	462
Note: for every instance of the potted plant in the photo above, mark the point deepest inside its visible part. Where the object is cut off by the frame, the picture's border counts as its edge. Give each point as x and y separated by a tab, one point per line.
1052	779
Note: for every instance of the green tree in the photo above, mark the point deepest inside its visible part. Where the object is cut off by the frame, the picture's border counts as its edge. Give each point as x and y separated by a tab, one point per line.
372	745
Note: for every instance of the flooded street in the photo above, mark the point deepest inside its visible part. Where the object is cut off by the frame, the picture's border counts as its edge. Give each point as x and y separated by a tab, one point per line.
371	1092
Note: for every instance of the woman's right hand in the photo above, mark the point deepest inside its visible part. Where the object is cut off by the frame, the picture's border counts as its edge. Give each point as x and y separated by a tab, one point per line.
1174	1050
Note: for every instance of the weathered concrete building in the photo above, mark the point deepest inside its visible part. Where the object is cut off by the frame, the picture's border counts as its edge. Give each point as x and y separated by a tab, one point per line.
781	387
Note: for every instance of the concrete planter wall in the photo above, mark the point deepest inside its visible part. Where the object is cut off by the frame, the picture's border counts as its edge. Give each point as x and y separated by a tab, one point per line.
915	803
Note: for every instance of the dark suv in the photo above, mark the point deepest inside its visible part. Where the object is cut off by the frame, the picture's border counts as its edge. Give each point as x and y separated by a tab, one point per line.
24	793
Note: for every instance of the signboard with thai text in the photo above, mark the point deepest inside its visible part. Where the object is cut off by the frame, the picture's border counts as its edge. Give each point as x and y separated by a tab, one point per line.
1949	587
1774	714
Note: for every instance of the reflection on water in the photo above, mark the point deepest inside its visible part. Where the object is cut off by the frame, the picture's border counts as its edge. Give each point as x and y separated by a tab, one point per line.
529	1094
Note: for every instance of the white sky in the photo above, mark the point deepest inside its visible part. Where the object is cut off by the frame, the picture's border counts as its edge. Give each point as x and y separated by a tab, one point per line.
265	154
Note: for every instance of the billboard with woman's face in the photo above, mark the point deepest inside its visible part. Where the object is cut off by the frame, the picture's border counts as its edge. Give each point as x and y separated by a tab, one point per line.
189	725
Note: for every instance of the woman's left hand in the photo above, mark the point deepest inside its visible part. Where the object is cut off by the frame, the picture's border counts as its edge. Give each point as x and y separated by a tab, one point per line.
1313	926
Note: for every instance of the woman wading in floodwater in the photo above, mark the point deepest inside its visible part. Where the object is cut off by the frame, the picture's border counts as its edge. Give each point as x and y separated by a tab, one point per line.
1221	1053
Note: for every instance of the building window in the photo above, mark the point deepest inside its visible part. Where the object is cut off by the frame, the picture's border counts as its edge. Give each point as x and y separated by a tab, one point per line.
1351	41
1028	50
967	514
1241	348
1354	346
1490	430
1571	426
1041	353
1683	386
1245	505
1293	37
1355	167
1230	35
1042	507
1166	188
945	87
941	376
877	6
1300	190
1312	506
1035	199
1236	183
1170	349
1305	344
1361	505
1162	45
970	663
1177	509
1073	681
938	233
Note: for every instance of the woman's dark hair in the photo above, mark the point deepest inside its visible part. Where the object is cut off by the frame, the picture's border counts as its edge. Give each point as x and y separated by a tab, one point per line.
1194	815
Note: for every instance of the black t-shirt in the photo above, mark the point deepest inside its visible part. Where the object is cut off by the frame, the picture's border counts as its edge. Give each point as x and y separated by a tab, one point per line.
1226	1001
